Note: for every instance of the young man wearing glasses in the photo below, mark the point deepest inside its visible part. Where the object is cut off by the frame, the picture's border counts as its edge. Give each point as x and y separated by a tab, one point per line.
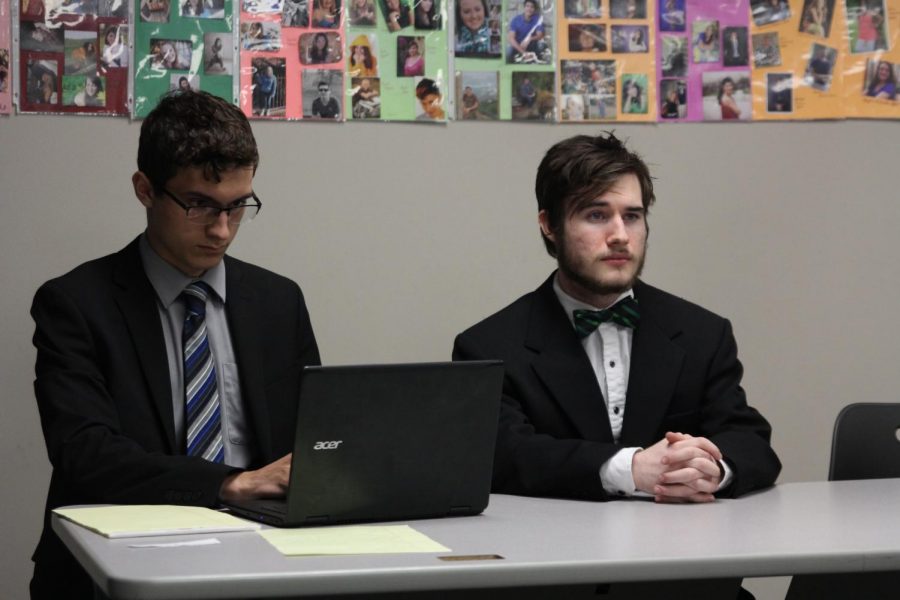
167	373
325	107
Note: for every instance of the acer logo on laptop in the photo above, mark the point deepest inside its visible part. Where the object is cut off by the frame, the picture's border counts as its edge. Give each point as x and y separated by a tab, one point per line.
328	445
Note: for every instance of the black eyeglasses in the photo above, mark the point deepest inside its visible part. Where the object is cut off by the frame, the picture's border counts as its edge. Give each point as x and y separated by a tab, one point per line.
239	212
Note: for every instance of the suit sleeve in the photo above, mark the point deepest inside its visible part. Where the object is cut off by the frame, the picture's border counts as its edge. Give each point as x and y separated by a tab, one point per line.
532	463
740	432
94	458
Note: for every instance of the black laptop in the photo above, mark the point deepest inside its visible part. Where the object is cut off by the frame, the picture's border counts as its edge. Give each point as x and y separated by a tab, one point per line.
389	442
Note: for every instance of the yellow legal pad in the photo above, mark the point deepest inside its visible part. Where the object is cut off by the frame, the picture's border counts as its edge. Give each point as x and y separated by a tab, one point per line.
357	539
138	520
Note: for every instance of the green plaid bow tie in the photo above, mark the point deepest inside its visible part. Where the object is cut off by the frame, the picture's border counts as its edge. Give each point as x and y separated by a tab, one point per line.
625	312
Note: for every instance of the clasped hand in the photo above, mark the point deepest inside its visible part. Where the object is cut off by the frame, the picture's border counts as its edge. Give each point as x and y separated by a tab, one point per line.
678	468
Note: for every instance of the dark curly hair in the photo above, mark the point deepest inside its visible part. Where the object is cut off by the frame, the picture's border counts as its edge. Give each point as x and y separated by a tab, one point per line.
194	129
578	169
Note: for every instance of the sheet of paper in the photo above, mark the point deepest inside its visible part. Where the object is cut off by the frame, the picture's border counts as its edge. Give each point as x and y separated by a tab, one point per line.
146	520
357	539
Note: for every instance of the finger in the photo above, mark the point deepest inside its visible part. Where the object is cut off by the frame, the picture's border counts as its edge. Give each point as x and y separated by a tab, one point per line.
695	498
699	442
678	490
681	454
690	478
707	467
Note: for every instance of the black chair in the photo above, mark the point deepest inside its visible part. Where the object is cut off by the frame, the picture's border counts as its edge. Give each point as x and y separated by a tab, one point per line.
866	442
865	445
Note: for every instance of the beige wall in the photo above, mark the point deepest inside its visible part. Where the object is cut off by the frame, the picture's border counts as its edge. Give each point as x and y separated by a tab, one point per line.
403	235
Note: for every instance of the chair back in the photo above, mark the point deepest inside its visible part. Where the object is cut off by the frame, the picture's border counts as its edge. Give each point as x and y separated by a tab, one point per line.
866	442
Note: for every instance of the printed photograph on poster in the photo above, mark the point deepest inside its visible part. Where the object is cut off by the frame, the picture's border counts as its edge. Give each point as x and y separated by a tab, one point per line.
326	14
81	52
31	8
361	13
674	61
295	13
634	93
820	69
363	56
866	25
528	40
113	46
184	83
429	106
573	108
726	95
4	70
322	89
734	47
705	36
766	50
262	7
673	95
629	39
881	80
587	38
365	97
427	14
477	28
397	14
117	9
589	77
671	15
628	9
320	48
779	92
478	95
268	87
583	9
42	82
261	36
410	56
218	54
40	37
170	54
203	9
533	97
816	17
84	90
154	11
770	11
58	9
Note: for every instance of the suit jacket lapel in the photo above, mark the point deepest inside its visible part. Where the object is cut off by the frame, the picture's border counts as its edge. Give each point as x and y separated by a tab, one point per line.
136	299
655	365
563	366
241	308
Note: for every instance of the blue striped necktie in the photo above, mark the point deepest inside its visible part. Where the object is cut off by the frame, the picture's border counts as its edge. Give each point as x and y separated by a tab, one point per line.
201	394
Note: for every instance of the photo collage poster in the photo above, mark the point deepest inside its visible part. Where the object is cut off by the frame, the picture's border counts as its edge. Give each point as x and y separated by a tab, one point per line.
872	61
397	60
504	56
798	49
180	44
73	56
607	60
292	59
704	60
5	60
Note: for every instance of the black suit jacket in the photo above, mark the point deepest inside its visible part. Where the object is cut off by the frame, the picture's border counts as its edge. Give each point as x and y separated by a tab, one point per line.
554	431
103	391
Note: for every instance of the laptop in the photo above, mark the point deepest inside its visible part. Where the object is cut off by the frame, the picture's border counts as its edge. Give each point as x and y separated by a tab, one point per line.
389	442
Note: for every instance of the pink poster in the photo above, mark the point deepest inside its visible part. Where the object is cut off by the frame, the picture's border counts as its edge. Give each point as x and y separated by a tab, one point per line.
5	60
704	60
292	61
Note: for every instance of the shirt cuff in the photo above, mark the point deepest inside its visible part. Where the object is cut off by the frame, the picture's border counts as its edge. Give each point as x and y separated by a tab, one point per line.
615	474
727	475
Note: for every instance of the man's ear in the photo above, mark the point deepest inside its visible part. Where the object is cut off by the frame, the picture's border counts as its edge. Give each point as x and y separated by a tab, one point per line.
143	189
544	222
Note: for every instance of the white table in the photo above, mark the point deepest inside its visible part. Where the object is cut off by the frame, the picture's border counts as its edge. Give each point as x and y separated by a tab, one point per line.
816	527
